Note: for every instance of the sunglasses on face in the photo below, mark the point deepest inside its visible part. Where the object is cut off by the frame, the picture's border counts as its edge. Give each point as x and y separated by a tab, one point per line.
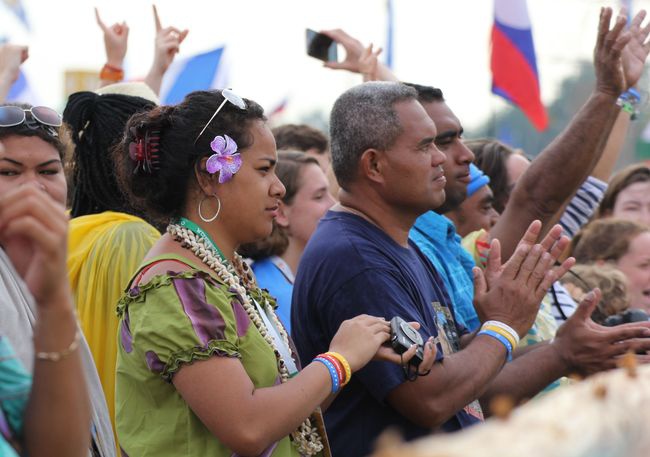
11	116
228	96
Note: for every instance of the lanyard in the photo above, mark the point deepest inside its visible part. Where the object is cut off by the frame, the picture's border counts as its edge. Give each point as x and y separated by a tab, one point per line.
284	268
185	222
280	345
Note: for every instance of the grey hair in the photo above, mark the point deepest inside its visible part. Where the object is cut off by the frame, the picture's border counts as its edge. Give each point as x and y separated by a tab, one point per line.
362	118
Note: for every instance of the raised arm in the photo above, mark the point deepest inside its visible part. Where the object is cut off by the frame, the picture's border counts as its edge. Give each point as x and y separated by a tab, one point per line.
57	418
355	60
167	45
115	44
11	57
558	171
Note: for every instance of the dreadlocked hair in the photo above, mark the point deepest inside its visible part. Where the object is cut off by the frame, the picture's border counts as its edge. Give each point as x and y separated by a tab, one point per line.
161	194
96	124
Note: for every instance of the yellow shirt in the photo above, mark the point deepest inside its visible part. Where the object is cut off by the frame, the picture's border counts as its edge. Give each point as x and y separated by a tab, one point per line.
104	251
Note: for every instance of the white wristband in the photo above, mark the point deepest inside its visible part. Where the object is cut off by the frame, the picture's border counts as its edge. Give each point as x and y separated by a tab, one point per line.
505	327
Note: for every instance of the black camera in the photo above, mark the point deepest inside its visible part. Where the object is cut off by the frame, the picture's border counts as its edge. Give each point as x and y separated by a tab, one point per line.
625	317
403	336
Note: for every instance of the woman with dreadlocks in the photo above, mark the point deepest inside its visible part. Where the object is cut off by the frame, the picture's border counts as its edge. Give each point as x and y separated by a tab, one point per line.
107	238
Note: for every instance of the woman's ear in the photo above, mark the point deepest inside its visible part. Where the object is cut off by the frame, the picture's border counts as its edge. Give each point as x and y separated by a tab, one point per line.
284	211
207	182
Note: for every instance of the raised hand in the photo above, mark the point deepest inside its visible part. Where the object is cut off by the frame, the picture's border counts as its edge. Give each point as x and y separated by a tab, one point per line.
34	225
115	41
353	51
610	78
12	57
587	347
368	63
511	292
167	45
636	51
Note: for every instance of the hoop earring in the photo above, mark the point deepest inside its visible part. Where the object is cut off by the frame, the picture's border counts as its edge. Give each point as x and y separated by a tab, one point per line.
203	218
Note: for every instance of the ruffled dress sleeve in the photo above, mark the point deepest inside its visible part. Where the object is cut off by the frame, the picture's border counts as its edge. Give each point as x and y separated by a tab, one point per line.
180	318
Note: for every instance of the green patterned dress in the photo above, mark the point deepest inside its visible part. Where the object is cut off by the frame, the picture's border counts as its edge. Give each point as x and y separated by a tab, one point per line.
169	321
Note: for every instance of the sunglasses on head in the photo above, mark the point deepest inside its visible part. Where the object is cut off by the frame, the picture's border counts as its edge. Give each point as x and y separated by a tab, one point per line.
228	96
11	116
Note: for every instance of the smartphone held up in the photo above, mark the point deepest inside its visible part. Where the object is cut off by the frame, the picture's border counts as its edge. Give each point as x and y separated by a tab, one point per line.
321	46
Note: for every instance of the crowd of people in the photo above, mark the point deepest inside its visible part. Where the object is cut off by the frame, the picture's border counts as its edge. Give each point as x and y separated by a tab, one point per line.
185	280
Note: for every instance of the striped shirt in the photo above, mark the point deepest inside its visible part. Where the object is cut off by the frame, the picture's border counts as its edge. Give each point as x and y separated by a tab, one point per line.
578	212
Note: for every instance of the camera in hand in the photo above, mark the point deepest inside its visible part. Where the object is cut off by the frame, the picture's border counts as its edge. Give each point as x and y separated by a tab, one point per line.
403	336
627	316
321	46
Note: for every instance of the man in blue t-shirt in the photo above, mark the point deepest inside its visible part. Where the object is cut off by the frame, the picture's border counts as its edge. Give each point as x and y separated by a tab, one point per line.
360	260
365	271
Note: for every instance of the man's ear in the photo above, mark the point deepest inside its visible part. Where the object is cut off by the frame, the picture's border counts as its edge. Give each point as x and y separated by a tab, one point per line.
207	182
284	211
371	165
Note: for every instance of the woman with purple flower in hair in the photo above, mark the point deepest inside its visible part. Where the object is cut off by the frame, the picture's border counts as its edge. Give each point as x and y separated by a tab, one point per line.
205	367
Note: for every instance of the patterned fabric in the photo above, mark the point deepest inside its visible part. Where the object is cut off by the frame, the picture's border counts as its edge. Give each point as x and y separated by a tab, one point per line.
15	385
563	302
172	320
577	213
435	235
582	206
104	250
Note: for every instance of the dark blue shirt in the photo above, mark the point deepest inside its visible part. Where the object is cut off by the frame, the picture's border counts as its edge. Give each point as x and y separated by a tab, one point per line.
352	267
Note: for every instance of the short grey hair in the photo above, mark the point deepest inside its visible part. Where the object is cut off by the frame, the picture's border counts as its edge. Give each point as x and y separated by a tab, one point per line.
362	118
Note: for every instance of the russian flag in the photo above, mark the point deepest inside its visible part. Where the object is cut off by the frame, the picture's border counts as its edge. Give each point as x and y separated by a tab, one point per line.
200	72
514	70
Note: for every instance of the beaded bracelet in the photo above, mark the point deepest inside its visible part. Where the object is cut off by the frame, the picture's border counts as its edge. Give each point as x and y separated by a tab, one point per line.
501	339
56	356
345	364
336	384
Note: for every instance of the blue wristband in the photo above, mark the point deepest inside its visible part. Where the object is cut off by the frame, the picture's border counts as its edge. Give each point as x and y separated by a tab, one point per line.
336	385
500	338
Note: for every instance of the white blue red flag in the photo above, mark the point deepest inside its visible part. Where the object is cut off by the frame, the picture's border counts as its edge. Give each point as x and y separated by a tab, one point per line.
200	72
513	63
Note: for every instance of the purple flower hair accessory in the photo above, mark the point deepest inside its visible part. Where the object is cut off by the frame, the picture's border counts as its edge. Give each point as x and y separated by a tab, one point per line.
225	160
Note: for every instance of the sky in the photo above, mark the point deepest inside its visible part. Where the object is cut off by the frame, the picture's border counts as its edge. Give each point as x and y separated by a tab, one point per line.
440	43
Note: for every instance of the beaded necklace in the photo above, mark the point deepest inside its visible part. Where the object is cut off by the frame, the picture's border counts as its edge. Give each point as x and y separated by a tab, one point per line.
239	277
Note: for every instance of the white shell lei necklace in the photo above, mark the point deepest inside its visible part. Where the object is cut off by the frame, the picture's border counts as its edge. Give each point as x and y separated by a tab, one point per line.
238	277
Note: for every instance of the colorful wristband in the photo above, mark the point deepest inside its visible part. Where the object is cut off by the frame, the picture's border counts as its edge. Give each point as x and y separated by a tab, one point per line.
629	100
339	368
336	385
506	327
346	366
110	73
501	332
501	339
